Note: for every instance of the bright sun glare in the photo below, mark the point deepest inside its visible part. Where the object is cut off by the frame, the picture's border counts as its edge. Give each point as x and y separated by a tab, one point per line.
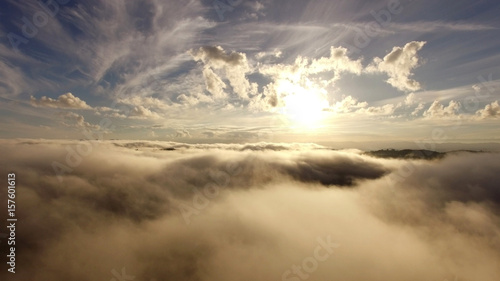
305	109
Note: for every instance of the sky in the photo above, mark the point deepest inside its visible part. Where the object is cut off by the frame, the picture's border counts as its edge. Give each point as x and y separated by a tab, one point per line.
250	71
227	140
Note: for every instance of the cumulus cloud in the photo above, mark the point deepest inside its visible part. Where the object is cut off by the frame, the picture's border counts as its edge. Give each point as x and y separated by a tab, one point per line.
214	84
141	112
302	68
398	65
418	109
337	61
437	110
67	100
311	76
386	109
352	105
348	104
303	77
267	100
491	110
191	212
410	99
234	64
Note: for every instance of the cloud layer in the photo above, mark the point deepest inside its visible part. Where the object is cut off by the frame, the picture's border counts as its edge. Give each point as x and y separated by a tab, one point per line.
171	211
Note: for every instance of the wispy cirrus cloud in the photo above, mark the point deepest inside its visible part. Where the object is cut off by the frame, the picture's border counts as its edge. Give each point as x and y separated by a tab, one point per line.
440	26
174	62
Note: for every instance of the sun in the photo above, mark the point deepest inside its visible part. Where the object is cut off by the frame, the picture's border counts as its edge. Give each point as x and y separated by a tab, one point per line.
305	110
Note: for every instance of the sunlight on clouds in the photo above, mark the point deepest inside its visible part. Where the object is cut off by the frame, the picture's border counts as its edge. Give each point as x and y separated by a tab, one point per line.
305	109
67	100
302	103
224	140
398	65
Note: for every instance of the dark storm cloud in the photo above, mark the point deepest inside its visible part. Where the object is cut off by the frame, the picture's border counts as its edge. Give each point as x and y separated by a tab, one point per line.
251	212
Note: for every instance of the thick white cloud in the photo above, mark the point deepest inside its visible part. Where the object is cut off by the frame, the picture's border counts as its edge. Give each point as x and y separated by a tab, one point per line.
337	63
304	77
67	100
214	84
162	211
268	100
410	99
350	106
398	65
418	109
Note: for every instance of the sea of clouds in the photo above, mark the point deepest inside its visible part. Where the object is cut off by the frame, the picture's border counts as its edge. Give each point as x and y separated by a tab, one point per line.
148	211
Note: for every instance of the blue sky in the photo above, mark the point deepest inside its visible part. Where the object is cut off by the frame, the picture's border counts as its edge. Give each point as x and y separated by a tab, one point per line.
249	71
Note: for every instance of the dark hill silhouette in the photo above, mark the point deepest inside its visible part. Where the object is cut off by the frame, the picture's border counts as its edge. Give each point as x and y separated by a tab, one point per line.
407	154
